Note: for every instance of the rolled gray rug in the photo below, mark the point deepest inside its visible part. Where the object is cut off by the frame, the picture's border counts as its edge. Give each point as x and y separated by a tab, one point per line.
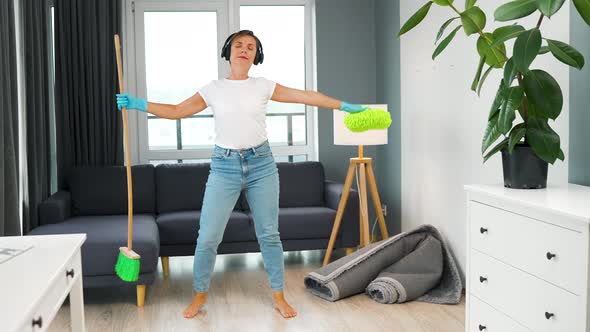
351	274
411	276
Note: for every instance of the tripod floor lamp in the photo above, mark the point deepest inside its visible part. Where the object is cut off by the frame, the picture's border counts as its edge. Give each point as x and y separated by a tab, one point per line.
361	165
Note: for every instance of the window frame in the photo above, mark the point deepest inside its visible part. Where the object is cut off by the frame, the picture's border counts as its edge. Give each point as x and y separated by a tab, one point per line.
228	20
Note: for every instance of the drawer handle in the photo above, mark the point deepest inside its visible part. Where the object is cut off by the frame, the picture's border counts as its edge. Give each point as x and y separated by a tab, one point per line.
482	279
483	230
38	321
550	255
548	315
482	327
70	273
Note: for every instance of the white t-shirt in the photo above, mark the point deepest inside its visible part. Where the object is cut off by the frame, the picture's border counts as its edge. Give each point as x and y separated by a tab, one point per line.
239	110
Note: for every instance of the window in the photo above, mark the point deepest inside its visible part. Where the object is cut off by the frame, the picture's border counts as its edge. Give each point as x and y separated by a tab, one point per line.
176	46
281	29
175	67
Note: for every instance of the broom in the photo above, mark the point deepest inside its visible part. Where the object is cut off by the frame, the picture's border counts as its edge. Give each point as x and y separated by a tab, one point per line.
127	267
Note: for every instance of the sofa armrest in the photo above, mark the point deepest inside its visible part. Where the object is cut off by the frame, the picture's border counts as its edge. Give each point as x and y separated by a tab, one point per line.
349	227
56	208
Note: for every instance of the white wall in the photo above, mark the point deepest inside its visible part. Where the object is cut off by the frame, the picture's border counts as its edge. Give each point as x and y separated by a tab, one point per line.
443	121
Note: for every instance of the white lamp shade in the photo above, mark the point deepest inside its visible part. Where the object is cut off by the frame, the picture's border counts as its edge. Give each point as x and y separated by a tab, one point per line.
344	136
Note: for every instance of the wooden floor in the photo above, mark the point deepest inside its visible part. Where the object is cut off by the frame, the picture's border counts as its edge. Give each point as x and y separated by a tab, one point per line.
240	300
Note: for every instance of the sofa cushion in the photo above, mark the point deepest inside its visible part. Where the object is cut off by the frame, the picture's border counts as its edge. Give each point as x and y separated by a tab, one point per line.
314	222
102	190
181	187
104	236
301	184
182	227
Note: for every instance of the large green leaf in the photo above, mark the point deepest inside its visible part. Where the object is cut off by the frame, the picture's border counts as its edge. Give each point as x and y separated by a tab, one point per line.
494	56
509	72
543	139
496	149
544	92
445	42
441	31
474	20
475	82
516	135
491	134
511	101
544	49
515	9
506	33
443	2
531	110
483	79
566	54
526	48
549	7
469	3
415	19
498	100
583	7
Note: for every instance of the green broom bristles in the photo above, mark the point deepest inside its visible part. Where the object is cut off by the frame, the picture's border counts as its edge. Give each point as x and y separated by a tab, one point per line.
127	268
369	119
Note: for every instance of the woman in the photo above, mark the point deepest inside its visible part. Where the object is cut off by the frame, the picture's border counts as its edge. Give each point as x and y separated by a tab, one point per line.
241	159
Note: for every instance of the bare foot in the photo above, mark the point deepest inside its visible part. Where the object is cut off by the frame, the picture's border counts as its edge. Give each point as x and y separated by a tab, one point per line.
282	306
193	308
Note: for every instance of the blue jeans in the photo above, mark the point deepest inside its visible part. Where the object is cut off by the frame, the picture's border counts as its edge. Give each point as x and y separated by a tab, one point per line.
253	170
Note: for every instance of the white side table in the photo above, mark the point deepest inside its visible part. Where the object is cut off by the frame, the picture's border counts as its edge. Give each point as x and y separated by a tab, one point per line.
36	275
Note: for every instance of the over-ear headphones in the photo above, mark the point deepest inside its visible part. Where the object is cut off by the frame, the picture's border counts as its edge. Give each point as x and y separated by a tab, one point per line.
226	50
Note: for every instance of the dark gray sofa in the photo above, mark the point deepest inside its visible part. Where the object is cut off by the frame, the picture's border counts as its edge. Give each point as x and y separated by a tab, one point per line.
167	201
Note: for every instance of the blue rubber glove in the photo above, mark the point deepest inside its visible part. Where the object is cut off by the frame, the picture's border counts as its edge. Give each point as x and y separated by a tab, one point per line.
131	102
352	108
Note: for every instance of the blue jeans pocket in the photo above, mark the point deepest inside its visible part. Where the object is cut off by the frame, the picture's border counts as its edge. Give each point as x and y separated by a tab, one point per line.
218	155
263	152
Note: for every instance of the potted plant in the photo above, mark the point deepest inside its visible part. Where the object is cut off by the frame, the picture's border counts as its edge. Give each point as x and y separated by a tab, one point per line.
529	144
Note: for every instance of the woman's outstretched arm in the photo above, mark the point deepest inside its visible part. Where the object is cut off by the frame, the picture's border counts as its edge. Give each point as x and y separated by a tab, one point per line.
307	97
188	107
313	98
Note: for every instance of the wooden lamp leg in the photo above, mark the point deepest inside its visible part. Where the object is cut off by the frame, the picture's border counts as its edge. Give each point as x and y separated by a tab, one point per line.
361	228
376	201
364	206
341	206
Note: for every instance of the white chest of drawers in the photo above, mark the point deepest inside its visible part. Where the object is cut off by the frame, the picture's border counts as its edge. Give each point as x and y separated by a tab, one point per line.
527	259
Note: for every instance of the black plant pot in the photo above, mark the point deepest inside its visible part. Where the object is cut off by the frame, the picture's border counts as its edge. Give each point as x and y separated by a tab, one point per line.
523	169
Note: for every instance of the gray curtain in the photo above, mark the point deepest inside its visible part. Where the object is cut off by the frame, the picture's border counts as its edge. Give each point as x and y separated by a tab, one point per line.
88	124
35	20
9	205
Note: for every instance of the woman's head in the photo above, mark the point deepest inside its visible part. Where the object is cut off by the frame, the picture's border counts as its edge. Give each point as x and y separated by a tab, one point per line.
243	48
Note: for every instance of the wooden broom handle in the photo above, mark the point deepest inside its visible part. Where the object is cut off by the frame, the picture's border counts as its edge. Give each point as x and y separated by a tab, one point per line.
127	153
